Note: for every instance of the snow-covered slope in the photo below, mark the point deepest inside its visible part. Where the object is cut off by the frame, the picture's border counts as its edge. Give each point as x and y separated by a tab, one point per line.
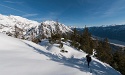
8	23
21	57
25	28
49	27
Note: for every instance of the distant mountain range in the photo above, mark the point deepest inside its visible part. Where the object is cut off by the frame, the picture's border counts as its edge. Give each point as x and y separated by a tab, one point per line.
114	32
24	28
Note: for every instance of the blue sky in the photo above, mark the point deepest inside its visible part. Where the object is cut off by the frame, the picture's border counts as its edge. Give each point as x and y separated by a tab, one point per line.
70	12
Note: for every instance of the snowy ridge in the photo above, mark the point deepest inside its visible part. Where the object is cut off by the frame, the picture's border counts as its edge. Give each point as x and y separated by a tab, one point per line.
8	22
49	27
52	25
28	28
21	57
22	26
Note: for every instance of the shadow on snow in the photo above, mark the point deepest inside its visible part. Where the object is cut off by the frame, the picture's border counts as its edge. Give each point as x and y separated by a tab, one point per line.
81	64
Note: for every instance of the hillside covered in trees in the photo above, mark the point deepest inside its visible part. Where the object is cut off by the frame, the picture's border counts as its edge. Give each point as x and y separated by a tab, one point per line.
101	49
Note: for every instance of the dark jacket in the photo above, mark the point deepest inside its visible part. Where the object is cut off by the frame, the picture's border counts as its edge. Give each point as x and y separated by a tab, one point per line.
88	58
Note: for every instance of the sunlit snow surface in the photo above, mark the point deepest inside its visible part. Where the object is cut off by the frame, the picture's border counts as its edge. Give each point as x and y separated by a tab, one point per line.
8	23
21	57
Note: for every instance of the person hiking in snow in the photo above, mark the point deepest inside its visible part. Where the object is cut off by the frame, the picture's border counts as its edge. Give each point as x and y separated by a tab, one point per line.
88	59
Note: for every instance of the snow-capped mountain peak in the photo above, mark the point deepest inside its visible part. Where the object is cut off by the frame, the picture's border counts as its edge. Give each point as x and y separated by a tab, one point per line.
49	27
49	22
28	28
20	21
16	25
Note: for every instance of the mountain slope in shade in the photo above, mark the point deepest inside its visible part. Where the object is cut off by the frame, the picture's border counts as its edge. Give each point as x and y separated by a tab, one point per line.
21	57
115	32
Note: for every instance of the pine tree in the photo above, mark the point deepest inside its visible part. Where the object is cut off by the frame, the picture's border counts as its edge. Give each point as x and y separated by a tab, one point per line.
15	32
86	41
18	33
108	50
119	61
104	52
75	37
55	38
